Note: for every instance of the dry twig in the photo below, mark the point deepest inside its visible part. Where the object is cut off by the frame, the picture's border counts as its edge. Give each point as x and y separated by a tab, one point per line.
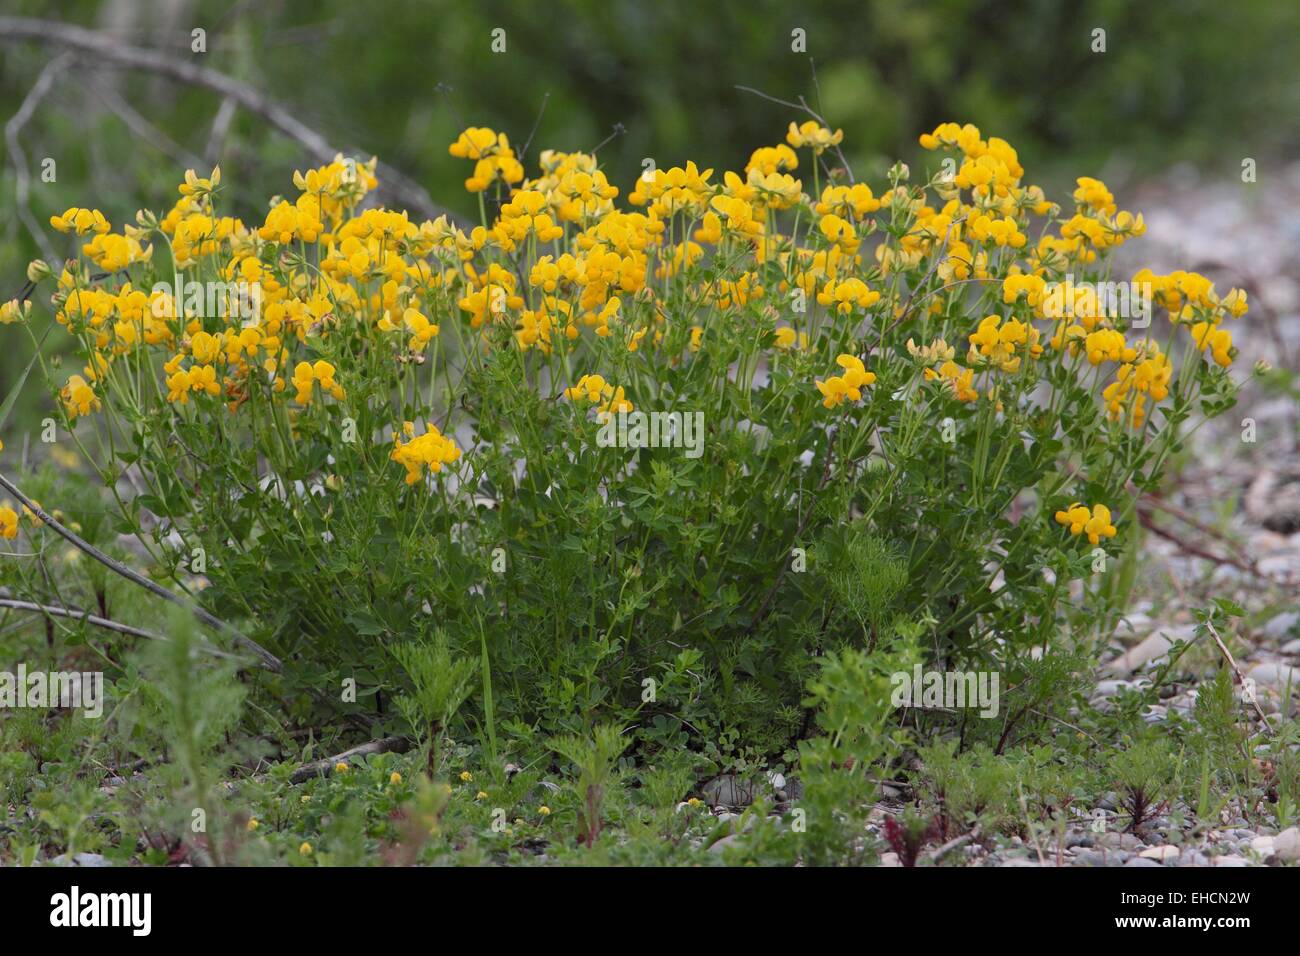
107	51
269	660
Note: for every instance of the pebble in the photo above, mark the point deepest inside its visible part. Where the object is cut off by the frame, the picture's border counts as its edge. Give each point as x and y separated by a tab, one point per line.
1109	688
1282	624
1276	675
726	841
1121	841
81	859
1262	844
1147	650
1161	854
1286	844
1097	858
1141	861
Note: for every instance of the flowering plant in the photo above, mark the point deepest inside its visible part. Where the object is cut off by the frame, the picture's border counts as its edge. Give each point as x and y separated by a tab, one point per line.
350	429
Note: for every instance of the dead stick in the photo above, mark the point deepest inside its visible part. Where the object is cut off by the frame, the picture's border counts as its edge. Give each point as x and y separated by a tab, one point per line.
269	660
1145	519
1240	676
107	51
938	853
55	610
326	766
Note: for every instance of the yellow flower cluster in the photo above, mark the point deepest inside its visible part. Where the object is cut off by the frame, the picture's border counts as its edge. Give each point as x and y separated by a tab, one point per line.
1096	524
80	221
492	155
308	375
1146	373
593	389
848	386
8	522
431	450
561	272
996	341
812	134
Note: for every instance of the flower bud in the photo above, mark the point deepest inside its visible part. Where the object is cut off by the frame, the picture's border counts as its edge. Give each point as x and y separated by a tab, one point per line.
15	311
38	270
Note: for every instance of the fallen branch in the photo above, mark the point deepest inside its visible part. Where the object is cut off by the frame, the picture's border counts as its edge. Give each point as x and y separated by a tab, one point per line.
22	179
269	660
54	610
325	767
1145	519
1240	676
938	853
107	51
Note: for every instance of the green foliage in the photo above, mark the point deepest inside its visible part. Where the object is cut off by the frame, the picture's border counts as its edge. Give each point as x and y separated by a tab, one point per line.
441	685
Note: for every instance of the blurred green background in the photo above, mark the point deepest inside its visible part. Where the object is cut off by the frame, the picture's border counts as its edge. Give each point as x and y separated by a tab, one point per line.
1198	82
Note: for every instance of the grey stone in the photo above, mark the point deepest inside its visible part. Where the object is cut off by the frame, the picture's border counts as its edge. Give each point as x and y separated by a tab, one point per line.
1281	625
1286	845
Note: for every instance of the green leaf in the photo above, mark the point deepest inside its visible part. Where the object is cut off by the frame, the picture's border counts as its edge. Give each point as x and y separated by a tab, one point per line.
12	397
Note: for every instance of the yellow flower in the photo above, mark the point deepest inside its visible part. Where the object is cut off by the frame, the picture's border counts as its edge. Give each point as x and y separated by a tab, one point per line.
113	253
1000	232
289	221
1235	303
787	338
544	810
341	767
15	311
846	294
305	849
997	342
431	450
481	795
8	522
772	159
959	380
594	389
853	201
1218	341
394	777
193	185
813	134
80	221
947	135
466	776
1093	194
421	328
1096	523
1104	345
848	386
306	375
78	397
252	824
